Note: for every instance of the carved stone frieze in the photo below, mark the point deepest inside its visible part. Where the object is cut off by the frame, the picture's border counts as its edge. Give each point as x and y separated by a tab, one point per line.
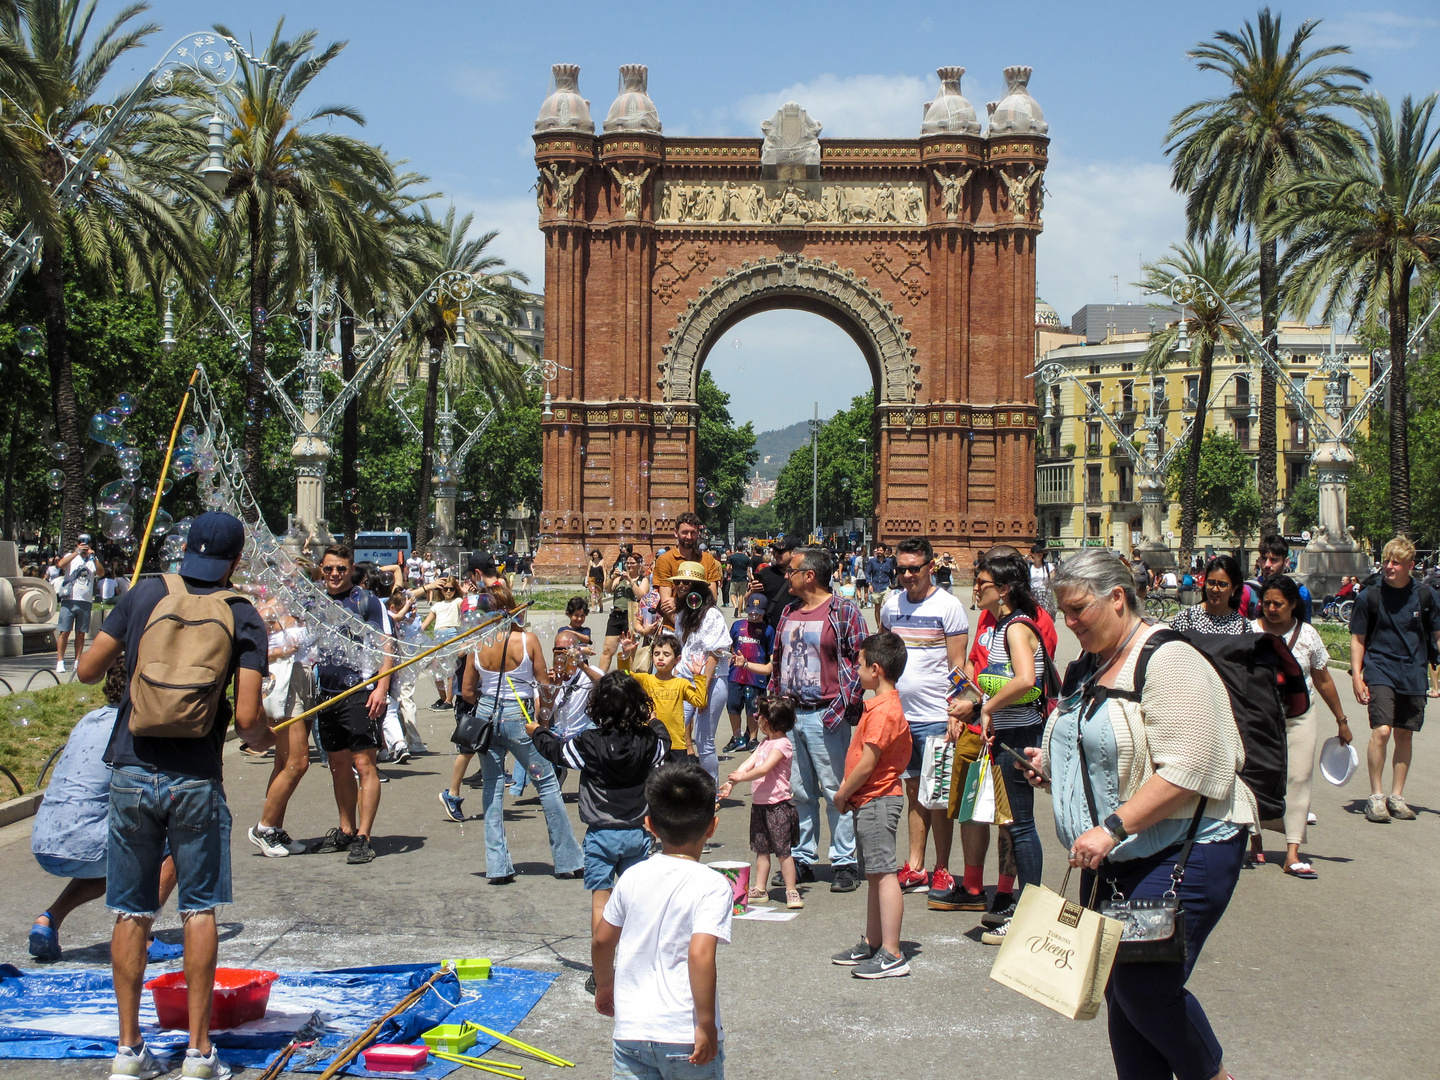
1018	189
774	203
792	275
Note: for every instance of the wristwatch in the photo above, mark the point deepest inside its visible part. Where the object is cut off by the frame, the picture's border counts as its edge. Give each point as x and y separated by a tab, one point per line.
1115	827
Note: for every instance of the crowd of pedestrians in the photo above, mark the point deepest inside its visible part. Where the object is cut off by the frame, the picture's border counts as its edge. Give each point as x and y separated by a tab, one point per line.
1137	743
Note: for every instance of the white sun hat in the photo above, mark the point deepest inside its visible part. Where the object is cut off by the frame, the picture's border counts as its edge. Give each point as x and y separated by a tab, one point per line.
1338	761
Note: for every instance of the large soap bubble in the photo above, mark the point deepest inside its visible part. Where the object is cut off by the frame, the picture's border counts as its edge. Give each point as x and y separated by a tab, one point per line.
58	451
101	431
116	493
114	416
712	500
701	484
127	404
56	479
188	434
21	709
119	526
163	521
183	463
30	340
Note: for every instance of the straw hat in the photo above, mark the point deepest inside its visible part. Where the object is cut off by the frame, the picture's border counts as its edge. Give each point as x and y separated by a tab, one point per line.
689	571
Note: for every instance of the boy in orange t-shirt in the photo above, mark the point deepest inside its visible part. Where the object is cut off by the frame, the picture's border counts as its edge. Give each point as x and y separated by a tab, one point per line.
879	754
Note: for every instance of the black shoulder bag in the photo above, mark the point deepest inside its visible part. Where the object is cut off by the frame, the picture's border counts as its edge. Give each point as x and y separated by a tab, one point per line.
1154	930
474	733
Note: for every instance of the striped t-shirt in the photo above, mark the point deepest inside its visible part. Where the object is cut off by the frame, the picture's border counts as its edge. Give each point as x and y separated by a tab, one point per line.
925	628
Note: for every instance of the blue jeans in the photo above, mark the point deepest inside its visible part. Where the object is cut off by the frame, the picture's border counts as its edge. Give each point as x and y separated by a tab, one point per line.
704	722
815	774
637	1060
1157	1028
610	852
147	808
510	736
1029	852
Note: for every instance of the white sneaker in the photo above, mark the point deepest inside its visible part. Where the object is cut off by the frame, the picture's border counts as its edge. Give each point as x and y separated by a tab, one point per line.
59	667
130	1064
205	1068
1311	819
274	843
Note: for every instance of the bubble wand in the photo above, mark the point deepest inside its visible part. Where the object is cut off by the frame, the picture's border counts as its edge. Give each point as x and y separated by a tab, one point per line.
164	472
398	667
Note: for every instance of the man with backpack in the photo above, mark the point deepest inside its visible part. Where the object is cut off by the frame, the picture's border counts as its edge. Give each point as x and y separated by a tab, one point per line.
1394	636
186	638
1274	559
349	730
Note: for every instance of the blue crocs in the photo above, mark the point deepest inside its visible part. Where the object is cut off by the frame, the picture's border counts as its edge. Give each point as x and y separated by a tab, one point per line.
44	942
157	952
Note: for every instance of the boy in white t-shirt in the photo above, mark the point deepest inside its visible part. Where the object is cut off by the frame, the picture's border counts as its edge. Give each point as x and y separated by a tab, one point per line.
654	949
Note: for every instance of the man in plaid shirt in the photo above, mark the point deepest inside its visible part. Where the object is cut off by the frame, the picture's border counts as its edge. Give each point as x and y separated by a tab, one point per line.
816	661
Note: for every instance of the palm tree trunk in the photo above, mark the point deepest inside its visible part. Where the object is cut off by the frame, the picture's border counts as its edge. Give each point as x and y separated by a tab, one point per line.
350	425
427	440
1269	323
10	455
1399	405
255	369
1189	485
62	388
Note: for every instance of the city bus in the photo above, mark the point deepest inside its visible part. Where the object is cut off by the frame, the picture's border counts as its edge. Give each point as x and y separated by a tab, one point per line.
382	548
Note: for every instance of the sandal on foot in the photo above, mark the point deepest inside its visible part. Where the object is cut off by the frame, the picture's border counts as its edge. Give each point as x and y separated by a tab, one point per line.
1254	859
757	893
792	899
1302	870
44	941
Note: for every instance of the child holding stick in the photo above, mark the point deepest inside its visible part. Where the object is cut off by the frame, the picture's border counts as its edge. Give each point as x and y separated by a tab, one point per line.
774	821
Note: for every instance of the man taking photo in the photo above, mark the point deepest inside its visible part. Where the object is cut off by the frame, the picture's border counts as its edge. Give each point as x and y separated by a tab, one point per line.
166	791
75	585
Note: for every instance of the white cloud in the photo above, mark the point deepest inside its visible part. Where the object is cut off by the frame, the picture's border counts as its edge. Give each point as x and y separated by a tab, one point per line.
1100	220
1379	30
479	83
520	243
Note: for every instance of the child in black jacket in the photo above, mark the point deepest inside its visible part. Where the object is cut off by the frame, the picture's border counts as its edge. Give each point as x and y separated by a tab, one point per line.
614	759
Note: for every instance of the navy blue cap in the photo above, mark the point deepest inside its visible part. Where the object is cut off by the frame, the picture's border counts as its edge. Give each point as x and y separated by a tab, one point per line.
214	541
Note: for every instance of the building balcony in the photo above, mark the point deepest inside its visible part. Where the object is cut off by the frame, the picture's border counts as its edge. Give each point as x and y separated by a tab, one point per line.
1094	498
1240	402
1297	446
1092	449
1054	498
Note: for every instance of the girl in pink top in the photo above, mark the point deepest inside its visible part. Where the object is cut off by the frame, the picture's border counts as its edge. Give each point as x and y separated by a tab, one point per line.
774	821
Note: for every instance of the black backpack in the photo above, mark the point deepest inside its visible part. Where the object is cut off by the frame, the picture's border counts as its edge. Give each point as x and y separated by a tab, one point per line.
1265	684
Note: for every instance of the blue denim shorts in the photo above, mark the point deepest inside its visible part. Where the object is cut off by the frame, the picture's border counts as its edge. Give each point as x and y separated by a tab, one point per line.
742	697
610	852
147	808
73	615
637	1060
918	734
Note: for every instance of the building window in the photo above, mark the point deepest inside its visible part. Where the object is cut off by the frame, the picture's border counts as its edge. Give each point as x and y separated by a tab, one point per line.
1127	396
1092	438
1054	484
1192	391
1094	369
1242	432
1092	483
1242	390
1092	526
1127	367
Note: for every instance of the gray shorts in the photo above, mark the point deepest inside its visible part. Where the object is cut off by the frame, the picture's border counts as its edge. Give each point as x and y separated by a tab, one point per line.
73	615
875	826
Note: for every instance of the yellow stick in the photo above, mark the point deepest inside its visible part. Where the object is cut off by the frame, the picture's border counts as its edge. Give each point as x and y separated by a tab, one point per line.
476	1063
413	660
164	471
525	1046
519	700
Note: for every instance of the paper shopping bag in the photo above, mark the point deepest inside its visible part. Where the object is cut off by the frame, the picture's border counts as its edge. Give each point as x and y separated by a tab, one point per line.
968	748
1058	953
978	792
936	766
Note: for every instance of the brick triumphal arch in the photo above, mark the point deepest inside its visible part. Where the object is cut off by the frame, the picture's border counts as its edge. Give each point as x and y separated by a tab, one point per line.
923	250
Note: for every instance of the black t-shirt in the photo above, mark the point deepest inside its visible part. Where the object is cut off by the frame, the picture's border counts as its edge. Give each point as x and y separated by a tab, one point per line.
1396	653
199	758
739	567
776	584
333	678
942	574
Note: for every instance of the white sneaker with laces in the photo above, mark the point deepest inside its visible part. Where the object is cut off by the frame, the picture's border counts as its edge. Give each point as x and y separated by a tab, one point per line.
200	1067
131	1064
59	667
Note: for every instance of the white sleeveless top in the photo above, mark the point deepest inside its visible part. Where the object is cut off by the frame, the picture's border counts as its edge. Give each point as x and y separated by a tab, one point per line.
494	683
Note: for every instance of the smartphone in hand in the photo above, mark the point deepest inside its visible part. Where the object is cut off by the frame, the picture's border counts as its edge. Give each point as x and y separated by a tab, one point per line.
1025	762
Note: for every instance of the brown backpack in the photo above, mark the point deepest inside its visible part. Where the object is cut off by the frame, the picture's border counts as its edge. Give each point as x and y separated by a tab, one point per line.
182	662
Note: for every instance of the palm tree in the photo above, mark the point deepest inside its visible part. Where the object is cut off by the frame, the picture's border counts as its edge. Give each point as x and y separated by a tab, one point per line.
1358	232
1233	152
1232	274
127	222
292	186
22	177
489	364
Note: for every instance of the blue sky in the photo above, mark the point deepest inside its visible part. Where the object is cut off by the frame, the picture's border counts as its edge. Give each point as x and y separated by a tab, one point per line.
454	87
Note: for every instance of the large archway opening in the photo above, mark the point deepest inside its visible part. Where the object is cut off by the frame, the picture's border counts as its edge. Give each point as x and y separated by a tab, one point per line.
778	364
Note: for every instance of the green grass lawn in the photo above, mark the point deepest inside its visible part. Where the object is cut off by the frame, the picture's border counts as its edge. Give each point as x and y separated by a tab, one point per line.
1337	640
35	725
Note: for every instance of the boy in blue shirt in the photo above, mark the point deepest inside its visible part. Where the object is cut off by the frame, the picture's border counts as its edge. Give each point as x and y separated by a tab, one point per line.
751	640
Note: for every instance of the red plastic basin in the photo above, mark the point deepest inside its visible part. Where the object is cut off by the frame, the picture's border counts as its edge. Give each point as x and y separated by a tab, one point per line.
240	996
393	1057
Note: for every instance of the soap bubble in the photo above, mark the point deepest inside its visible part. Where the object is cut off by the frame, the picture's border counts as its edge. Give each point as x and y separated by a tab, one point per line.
56	479
712	500
116	493
119	526
181	528
21	709
351	494
484	495
59	450
130	474
183	463
30	340
216	500
701	484
188	434
101	431
114	416
355	508
735	343
644	468
163	521
127	404
166	486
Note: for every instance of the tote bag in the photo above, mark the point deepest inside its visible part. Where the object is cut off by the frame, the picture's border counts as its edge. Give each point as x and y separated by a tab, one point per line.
937	764
1058	953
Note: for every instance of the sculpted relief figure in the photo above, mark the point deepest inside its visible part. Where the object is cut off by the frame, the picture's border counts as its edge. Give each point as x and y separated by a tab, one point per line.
885	203
1018	188
914	205
952	188
630	188
563	188
726	201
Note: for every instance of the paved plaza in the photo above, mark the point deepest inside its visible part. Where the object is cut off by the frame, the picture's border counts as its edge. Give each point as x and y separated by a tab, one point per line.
1323	979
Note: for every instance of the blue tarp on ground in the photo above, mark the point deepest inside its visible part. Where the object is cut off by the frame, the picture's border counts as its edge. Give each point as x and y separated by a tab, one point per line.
71	1014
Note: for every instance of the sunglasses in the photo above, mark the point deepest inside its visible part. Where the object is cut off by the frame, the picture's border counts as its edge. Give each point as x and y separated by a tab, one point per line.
330	571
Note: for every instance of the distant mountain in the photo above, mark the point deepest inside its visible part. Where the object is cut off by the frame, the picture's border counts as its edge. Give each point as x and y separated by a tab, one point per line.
775	447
